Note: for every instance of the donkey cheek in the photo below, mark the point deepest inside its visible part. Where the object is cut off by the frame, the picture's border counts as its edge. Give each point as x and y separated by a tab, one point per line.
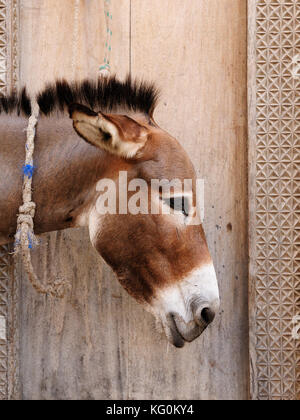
142	293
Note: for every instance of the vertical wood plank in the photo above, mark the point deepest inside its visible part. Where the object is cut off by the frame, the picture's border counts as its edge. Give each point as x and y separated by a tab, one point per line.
74	348
252	190
196	51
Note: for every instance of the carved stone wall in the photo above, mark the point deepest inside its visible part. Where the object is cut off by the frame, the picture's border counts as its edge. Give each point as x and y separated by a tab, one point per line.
8	285
274	188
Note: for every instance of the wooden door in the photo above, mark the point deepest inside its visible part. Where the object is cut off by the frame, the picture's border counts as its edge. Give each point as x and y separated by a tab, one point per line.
97	343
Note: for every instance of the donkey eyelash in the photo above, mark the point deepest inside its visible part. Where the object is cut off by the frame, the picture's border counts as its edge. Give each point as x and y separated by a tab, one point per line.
179	204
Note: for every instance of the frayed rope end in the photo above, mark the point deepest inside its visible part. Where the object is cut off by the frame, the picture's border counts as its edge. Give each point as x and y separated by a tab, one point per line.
31	240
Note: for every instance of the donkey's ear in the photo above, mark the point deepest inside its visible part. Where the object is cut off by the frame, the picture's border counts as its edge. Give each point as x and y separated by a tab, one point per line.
117	134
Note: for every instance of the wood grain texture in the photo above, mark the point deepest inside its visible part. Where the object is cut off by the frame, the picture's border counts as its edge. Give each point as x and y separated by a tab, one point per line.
70	349
48	47
252	191
97	342
196	51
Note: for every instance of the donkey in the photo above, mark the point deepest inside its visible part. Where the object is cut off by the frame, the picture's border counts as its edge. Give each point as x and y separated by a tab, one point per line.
162	260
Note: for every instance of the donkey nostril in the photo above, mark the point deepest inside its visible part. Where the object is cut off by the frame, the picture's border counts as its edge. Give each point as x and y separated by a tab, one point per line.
208	315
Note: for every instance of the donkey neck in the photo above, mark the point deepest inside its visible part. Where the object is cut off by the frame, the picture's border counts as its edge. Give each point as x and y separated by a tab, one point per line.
67	170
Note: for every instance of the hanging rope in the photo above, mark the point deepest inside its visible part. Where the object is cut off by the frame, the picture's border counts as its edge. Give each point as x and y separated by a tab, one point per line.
104	69
25	238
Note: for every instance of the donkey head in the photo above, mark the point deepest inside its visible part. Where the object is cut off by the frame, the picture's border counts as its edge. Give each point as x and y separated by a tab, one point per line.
159	253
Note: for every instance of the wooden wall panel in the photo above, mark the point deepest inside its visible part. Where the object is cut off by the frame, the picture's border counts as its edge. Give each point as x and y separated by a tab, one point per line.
51	47
71	349
97	342
196	51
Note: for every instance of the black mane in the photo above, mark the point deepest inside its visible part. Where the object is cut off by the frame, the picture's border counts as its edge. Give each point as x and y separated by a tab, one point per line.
103	94
19	102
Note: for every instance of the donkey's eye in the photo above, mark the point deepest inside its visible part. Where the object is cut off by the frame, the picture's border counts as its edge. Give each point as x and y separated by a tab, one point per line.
178	204
105	136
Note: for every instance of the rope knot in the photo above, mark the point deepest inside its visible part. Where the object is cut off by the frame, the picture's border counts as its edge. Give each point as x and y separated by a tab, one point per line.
25	219
27	209
24	238
26	215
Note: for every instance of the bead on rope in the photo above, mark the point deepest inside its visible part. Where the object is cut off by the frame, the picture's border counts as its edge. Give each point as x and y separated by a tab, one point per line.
104	69
25	238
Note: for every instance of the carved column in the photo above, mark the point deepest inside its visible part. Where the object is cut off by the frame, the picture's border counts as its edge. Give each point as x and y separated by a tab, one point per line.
274	189
8	283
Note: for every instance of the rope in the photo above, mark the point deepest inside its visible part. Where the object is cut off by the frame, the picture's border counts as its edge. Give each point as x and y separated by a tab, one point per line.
104	69
25	238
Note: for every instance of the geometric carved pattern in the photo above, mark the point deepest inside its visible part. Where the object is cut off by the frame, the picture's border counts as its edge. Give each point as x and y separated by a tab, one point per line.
4	274
8	287
9	26
3	46
277	199
4	302
13	44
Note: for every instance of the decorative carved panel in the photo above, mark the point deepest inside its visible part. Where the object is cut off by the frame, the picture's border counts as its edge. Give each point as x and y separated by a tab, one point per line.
8	285
4	281
274	188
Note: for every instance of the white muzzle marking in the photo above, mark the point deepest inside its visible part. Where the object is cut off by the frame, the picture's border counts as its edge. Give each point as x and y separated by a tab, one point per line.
198	289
